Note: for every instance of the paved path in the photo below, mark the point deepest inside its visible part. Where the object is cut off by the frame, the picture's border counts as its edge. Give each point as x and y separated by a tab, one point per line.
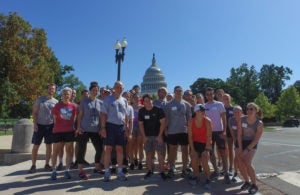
14	179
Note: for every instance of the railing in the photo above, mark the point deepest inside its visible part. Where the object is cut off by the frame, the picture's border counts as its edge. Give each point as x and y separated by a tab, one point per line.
7	124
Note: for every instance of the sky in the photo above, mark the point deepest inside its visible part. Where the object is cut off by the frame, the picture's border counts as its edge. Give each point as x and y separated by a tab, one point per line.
191	39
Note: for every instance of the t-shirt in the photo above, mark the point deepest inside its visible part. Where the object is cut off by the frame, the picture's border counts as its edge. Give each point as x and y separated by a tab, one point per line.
151	120
214	111
45	106
160	104
178	114
90	120
65	116
115	109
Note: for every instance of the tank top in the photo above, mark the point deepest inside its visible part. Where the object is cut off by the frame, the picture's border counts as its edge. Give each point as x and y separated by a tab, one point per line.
249	130
199	133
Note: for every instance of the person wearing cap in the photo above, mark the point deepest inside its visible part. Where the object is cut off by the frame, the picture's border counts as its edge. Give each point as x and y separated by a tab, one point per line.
199	131
215	110
178	113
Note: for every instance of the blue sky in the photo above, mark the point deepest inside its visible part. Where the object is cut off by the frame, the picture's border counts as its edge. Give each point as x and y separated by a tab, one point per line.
190	38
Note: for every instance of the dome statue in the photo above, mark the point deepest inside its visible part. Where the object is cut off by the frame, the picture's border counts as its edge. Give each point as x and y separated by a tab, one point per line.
153	79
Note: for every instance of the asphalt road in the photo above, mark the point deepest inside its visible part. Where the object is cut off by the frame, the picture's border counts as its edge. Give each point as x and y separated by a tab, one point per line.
277	161
279	151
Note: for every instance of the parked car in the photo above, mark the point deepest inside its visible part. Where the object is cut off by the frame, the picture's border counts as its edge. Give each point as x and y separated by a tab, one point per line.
291	123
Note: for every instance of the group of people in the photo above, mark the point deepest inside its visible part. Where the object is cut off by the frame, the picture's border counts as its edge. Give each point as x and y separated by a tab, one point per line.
123	126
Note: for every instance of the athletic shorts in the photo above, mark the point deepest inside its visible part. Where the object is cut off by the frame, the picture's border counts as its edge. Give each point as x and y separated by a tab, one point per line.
178	139
115	135
217	137
44	131
246	143
199	148
136	132
152	144
63	137
228	133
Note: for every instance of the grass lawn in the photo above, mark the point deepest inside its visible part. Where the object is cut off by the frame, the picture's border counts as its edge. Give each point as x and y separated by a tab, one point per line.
8	132
270	128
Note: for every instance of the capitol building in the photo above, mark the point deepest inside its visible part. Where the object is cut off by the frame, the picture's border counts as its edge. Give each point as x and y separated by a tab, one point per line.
153	79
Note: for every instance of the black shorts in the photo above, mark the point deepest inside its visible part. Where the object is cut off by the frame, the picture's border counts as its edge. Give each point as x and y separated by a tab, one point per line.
246	143
63	137
115	135
44	131
178	139
217	137
199	148
228	133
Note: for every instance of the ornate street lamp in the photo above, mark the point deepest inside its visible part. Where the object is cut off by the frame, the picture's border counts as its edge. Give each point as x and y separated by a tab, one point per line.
120	55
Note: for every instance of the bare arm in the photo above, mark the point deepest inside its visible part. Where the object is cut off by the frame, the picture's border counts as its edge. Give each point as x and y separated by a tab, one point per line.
208	134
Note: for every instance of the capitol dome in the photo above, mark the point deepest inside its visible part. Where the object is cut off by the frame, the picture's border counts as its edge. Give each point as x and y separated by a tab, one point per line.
153	79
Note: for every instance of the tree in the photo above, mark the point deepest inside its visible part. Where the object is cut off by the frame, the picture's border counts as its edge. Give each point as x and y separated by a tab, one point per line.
201	84
245	81
267	108
272	80
288	103
297	85
27	64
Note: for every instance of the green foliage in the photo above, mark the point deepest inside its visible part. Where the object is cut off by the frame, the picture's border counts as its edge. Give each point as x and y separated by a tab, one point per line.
27	65
201	84
244	79
288	103
272	80
267	108
297	85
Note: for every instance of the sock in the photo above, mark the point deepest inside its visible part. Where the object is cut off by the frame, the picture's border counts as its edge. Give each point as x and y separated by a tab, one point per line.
120	170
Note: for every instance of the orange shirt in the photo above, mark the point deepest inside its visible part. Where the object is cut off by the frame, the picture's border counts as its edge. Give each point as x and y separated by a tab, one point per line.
199	133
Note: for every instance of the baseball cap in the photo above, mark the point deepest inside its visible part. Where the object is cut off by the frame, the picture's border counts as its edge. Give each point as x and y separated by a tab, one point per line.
199	107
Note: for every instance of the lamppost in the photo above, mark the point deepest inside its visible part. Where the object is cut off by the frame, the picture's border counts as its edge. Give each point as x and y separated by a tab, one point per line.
120	55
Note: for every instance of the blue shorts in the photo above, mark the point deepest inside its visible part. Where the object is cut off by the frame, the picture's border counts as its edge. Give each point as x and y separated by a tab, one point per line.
44	131
115	135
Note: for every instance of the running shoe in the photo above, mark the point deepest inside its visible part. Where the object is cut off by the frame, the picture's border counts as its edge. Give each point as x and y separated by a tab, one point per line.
163	175
67	174
227	179
107	177
140	166
214	175
170	174
83	176
53	175
245	186
186	172
193	181
32	169
59	167
253	189
122	176
207	185
47	167
148	174
131	166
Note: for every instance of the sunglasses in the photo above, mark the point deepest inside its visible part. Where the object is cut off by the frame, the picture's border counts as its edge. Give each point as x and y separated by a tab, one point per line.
251	109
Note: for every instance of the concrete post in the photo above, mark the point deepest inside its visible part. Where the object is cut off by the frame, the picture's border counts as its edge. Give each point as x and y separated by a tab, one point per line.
22	135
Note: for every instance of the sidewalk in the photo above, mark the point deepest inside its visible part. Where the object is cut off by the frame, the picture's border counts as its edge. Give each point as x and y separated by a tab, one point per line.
15	179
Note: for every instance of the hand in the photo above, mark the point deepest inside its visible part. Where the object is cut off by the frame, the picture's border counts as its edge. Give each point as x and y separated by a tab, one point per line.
103	132
159	139
79	132
35	127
